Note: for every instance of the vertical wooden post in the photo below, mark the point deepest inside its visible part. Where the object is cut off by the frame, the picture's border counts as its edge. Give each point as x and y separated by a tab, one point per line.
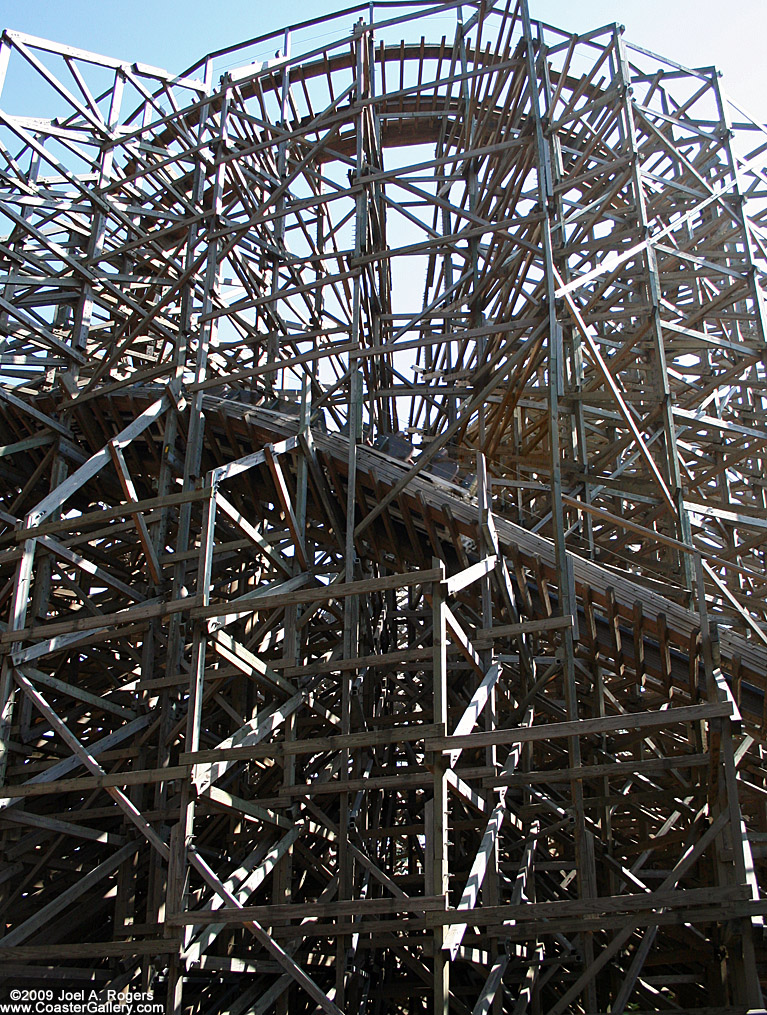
437	833
584	854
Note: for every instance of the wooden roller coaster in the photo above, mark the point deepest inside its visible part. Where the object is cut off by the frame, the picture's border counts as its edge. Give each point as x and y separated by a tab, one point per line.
383	510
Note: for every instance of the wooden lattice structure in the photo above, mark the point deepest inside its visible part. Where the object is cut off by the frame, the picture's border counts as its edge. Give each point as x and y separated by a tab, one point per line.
382	490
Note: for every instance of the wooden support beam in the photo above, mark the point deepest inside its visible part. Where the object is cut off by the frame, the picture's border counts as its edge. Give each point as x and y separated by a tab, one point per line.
317	736
285	500
581	727
138	519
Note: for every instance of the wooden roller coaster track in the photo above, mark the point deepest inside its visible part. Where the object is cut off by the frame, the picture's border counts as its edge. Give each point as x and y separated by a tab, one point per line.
383	512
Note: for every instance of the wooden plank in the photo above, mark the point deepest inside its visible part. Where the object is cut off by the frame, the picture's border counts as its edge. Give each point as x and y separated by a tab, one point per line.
138	519
469	575
205	774
317	595
486	636
231	512
59	768
582	727
267	941
85	783
131	615
46	913
474	709
315	745
242	889
299	911
96	462
491	985
101	702
87	950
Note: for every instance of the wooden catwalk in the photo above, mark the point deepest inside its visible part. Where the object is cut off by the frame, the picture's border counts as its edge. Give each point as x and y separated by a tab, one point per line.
383	523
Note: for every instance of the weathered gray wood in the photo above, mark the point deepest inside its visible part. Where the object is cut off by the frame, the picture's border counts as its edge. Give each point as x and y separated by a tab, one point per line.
231	443
581	727
46	913
97	462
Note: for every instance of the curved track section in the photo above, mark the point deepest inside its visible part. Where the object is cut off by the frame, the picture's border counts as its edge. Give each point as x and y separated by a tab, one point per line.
383	509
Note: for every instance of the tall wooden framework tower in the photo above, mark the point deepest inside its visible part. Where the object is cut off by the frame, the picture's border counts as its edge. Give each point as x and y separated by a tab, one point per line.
383	522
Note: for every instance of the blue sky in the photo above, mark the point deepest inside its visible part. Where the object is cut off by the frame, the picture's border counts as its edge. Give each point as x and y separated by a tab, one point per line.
173	34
